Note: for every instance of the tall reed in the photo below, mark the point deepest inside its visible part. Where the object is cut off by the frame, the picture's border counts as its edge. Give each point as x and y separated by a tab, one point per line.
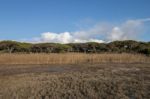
71	58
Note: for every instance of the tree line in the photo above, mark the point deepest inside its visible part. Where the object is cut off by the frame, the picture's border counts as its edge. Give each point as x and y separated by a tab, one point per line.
127	46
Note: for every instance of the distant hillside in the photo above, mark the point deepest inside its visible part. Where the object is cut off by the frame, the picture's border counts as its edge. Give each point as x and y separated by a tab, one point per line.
128	46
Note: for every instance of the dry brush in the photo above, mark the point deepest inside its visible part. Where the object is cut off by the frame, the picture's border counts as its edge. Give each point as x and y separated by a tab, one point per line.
71	58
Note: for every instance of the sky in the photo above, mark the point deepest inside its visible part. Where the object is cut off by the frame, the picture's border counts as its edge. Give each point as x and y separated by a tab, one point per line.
67	21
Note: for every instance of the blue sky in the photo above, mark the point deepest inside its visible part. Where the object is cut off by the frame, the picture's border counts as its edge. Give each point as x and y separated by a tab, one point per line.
33	19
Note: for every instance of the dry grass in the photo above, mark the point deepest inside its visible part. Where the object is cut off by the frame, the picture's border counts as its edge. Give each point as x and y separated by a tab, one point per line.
71	58
116	78
94	82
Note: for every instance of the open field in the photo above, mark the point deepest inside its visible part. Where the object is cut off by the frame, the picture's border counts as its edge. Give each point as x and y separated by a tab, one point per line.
118	76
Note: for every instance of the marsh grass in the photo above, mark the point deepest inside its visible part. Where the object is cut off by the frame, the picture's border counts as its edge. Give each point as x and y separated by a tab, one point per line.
115	79
87	81
71	58
73	86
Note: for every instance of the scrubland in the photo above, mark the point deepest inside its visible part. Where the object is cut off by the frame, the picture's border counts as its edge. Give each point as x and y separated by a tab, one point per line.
74	76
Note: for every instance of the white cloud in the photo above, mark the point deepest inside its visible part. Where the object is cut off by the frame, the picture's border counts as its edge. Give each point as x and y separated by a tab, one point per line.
95	31
89	40
116	34
65	37
144	20
129	29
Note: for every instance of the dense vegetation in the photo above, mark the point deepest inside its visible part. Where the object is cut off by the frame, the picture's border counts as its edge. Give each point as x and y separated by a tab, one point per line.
128	46
84	81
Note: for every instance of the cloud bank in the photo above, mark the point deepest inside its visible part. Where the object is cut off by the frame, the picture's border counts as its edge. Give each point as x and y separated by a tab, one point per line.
65	37
100	33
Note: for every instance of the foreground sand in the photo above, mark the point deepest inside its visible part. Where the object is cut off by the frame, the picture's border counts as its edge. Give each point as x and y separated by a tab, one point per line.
84	81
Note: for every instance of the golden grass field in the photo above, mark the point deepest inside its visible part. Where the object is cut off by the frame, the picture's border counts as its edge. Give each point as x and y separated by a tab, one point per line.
74	76
71	58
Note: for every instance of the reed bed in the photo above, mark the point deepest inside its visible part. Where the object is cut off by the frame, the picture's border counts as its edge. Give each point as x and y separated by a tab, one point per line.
71	58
